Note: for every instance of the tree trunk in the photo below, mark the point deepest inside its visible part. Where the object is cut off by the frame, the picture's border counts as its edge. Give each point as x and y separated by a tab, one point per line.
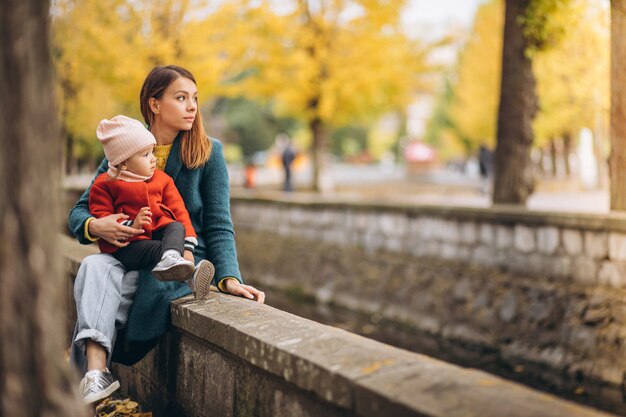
322	179
567	150
540	166
518	105
553	159
34	379
617	160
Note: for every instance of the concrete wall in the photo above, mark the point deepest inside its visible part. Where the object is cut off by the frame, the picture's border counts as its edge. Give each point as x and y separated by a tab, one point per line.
538	294
226	356
586	249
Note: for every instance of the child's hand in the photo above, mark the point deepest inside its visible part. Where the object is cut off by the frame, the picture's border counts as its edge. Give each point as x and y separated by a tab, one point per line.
144	217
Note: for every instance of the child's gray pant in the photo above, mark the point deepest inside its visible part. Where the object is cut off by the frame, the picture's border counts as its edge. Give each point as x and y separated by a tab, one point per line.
103	292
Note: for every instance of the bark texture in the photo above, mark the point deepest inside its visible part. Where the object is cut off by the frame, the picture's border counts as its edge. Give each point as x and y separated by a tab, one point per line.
514	180
322	180
617	161
34	377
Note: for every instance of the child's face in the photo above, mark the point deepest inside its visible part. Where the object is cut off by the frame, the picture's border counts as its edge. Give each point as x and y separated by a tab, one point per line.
142	163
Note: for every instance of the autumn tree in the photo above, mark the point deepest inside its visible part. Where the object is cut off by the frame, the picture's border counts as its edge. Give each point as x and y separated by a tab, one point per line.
529	27
617	164
573	81
34	379
477	88
103	49
328	63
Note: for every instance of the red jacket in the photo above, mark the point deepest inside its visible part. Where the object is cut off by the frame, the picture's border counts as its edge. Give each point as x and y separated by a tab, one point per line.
109	196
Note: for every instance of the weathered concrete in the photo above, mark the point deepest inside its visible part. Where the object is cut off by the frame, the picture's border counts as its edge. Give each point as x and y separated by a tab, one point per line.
230	357
554	240
538	293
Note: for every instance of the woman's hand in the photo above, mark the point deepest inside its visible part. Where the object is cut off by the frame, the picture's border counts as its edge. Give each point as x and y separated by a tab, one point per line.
247	291
113	232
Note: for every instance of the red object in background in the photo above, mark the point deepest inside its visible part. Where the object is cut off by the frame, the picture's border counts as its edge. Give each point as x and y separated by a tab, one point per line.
420	158
419	152
250	172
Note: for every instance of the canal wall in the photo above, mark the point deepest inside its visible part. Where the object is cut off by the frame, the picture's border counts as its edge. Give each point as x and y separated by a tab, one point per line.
227	356
533	295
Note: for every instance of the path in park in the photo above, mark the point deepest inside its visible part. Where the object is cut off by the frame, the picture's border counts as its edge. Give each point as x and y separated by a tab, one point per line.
441	187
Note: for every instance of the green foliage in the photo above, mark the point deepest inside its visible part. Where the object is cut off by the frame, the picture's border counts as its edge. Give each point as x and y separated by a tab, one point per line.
440	119
252	126
349	140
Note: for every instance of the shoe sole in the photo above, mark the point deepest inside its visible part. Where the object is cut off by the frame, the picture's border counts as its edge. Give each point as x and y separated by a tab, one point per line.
90	399
204	275
175	273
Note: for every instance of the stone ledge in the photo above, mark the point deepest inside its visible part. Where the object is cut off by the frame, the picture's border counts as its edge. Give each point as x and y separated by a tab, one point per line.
344	370
500	214
358	374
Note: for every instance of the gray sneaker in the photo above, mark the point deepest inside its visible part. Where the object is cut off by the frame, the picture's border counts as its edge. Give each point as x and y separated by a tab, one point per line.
173	267
200	283
97	385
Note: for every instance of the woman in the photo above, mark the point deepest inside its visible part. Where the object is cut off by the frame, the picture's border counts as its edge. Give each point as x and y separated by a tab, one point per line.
103	290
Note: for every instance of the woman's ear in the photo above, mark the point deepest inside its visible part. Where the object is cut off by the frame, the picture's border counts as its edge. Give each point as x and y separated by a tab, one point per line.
154	105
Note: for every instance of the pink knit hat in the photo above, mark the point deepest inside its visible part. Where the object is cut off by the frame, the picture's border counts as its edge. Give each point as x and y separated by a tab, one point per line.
122	137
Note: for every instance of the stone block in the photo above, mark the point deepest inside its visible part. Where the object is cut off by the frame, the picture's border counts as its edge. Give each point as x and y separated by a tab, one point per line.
393	224
612	274
438	226
464	253
617	246
504	237
296	216
449	231
585	270
394	244
361	220
431	248
469	232
339	220
192	386
425	227
573	242
372	241
596	245
559	267
449	251
524	238
484	255
487	234
547	240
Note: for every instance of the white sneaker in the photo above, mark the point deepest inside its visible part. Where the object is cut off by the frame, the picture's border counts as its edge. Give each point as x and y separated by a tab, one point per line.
200	282
173	267
97	385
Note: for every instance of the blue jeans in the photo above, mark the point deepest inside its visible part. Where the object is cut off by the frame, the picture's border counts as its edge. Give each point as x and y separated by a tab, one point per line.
103	292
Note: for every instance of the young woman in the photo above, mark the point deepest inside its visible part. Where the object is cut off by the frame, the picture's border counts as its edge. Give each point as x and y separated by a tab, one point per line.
103	290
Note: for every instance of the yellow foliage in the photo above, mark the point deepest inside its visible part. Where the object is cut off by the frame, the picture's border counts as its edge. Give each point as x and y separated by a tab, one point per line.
477	90
573	77
340	62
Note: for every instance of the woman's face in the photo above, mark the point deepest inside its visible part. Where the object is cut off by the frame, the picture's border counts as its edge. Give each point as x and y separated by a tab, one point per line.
178	106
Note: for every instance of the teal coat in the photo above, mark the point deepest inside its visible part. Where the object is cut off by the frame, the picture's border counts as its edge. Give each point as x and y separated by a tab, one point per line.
205	191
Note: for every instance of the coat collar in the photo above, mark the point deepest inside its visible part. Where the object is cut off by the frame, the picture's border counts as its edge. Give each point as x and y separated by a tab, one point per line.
174	163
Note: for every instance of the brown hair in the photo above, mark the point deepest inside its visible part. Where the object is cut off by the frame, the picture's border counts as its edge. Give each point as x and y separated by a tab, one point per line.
195	145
